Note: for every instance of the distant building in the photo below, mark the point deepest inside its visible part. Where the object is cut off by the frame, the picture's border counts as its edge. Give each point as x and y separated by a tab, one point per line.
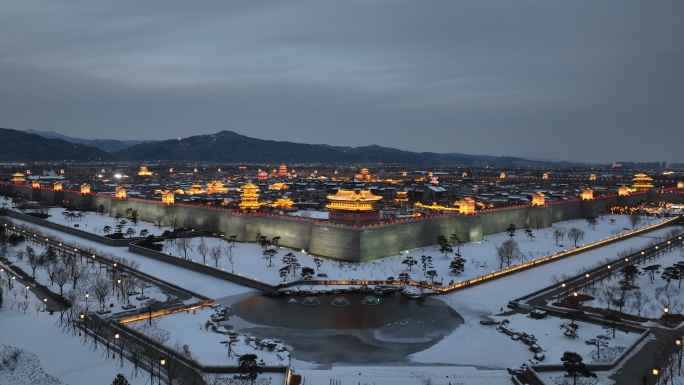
250	197
120	192
85	188
642	182
353	208
587	194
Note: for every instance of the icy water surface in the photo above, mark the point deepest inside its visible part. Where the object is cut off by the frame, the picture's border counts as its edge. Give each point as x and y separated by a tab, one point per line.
352	328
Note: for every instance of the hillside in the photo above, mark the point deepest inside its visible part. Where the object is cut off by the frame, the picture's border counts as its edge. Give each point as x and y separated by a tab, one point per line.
21	146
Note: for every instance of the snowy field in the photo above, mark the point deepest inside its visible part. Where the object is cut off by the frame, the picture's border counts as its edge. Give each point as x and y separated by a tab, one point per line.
210	346
51	357
462	347
248	259
652	292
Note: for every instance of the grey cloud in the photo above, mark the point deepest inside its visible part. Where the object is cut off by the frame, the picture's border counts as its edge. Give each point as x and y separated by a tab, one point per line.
582	80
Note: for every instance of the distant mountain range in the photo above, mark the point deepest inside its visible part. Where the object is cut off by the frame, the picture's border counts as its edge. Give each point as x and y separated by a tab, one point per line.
224	146
108	145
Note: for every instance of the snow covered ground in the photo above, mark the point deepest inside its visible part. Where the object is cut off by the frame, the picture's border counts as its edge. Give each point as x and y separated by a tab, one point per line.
247	259
50	351
464	346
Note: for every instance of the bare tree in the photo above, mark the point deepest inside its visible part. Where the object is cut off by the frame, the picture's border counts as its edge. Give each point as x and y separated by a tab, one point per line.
203	249
558	233
575	234
507	252
215	254
634	219
61	276
158	220
640	301
100	290
183	245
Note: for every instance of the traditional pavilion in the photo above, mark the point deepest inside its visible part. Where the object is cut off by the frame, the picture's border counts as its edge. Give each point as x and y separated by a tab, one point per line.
263	175
278	186
85	188
168	197
538	199
502	175
545	175
120	192
680	185
282	170
350	207
250	197
642	182
592	177
401	198
587	194
144	171
18	178
196	188
35	184
466	206
282	204
57	186
216	187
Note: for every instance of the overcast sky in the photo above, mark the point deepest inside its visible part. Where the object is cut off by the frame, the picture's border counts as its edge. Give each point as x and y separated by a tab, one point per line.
596	81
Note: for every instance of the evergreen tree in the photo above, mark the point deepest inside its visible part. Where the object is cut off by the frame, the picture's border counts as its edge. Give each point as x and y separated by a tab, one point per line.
120	380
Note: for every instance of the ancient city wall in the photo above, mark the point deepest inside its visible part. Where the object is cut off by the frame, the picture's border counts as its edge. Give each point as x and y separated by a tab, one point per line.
343	242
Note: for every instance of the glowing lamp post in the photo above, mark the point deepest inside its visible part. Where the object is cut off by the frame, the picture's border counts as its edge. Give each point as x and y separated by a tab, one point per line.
586	280
666	311
576	300
86	297
162	362
27	291
44	303
678	343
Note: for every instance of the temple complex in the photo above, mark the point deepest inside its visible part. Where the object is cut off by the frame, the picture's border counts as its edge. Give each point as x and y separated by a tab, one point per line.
282	204
250	197
18	178
642	182
349	207
401	198
216	187
196	188
278	186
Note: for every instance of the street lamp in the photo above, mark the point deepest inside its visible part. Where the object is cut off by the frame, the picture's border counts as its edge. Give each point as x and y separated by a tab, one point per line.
44	303
27	291
162	362
667	311
83	318
87	295
678	342
576	300
586	280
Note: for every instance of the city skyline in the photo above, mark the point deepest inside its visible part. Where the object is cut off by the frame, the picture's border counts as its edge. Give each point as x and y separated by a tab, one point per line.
579	82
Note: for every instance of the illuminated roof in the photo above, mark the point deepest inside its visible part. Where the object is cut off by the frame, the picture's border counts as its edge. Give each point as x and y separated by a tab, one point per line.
349	200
